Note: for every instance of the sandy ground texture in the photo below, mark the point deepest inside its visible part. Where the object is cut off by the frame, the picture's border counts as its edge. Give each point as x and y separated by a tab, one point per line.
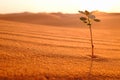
42	52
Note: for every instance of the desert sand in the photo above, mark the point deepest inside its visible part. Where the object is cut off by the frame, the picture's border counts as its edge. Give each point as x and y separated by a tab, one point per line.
56	46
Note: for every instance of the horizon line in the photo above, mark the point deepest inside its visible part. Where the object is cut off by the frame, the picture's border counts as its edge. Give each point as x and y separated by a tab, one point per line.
51	12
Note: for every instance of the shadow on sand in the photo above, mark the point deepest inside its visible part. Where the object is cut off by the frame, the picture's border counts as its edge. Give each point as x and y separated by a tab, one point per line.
90	68
96	58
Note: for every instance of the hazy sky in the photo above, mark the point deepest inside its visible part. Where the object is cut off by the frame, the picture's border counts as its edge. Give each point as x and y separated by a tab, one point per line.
65	6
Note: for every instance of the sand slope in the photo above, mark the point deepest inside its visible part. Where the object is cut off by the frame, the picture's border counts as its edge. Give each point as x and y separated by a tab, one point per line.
108	20
46	52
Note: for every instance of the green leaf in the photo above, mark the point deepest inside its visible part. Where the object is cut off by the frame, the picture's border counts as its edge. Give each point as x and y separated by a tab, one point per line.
81	12
85	21
89	24
97	20
83	18
91	16
87	12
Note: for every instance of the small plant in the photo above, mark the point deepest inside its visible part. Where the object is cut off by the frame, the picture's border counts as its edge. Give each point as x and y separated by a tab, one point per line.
88	20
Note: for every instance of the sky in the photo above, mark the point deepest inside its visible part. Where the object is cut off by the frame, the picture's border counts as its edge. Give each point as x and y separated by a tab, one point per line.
64	6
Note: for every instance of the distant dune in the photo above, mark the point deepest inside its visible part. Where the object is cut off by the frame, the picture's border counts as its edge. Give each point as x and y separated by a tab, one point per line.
55	19
108	20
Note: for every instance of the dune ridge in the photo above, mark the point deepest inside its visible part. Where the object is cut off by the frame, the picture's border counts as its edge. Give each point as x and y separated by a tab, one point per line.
108	20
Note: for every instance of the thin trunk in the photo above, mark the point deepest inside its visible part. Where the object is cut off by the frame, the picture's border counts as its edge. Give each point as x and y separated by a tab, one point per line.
91	41
92	46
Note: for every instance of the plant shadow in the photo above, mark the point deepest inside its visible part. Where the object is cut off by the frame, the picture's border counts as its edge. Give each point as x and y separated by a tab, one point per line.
94	59
90	68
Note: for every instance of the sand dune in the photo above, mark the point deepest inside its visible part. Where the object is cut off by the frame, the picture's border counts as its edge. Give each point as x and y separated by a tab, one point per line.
33	47
108	20
57	19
